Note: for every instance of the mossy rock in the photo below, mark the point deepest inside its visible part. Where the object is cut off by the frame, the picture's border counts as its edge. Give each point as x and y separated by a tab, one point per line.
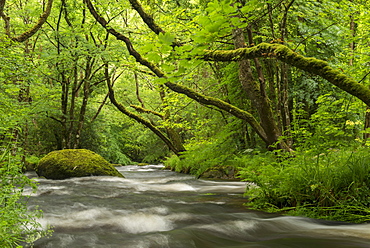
220	172
74	163
142	164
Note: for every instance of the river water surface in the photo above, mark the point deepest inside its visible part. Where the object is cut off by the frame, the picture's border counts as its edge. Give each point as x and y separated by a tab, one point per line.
158	209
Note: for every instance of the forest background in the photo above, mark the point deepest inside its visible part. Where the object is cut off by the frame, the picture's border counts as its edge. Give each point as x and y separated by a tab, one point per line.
276	91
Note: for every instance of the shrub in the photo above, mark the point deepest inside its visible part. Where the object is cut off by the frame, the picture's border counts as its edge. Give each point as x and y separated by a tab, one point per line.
17	224
331	185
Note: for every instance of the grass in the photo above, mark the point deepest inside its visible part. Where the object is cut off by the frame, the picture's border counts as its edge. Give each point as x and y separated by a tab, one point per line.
334	185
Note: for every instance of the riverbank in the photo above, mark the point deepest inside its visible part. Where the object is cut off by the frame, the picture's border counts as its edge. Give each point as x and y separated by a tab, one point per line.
330	185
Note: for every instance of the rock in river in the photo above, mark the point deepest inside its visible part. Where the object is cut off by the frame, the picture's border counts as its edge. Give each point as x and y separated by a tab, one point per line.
74	163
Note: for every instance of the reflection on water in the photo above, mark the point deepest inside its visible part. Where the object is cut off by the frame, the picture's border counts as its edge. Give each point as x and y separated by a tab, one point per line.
156	208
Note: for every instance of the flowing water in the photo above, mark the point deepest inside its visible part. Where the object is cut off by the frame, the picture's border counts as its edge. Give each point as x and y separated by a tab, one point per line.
157	209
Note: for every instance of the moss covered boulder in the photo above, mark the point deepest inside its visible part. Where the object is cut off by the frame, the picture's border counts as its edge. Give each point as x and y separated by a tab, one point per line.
220	172
74	163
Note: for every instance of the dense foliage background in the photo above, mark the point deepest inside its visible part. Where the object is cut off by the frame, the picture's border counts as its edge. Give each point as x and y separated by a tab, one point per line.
128	80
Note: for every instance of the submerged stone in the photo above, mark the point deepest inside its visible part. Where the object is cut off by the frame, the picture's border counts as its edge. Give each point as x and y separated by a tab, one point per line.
74	163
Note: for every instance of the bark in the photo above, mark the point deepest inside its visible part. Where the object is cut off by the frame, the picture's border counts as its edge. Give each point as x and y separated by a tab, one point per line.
142	109
256	91
231	109
64	106
26	35
71	114
5	18
284	54
283	29
148	111
171	132
366	135
85	99
259	97
148	19
352	47
283	99
278	51
352	44
283	83
138	118
100	108
177	146
138	91
125	39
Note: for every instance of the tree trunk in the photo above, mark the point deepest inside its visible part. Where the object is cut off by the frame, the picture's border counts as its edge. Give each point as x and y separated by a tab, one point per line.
173	135
85	99
257	93
138	118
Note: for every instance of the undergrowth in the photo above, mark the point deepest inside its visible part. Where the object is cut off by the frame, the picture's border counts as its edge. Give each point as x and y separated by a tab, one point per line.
18	225
202	155
332	185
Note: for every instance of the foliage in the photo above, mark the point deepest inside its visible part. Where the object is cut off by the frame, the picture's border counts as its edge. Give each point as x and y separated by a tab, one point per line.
17	223
53	91
207	153
331	185
336	123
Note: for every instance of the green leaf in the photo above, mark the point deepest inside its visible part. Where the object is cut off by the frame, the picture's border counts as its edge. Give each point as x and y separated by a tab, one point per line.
166	38
154	57
161	80
168	67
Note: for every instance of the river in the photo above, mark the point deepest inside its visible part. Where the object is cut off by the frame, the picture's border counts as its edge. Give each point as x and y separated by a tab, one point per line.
155	208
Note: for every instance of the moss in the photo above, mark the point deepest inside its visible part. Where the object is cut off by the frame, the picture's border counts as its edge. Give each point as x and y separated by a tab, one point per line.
285	54
220	172
142	164
74	163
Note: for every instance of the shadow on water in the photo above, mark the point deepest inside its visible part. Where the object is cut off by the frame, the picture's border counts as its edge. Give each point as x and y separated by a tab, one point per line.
157	208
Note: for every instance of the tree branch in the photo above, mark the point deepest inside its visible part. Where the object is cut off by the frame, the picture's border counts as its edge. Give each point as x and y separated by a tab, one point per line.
144	110
5	18
176	87
148	19
284	54
26	35
136	117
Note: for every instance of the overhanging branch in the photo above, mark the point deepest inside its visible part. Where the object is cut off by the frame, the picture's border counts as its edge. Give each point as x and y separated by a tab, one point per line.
136	117
284	54
26	35
147	111
148	19
176	87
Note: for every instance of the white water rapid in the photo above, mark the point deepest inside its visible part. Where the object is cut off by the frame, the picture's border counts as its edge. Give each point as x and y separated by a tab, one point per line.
154	208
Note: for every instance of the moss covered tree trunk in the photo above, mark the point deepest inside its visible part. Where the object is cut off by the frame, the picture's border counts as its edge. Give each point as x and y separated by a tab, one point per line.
172	134
30	32
256	91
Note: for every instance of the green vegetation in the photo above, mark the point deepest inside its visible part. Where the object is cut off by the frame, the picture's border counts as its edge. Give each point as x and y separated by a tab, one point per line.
17	223
266	88
331	185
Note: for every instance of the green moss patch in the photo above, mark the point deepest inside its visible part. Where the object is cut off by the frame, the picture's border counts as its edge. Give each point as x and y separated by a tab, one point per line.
74	163
220	172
